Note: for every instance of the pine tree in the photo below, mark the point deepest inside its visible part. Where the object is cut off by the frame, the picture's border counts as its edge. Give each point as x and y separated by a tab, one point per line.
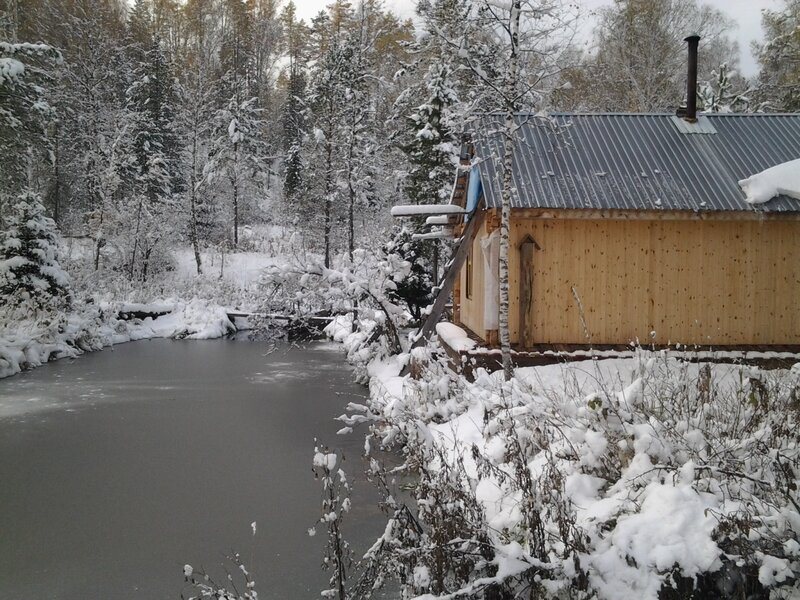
25	112
294	131
95	155
414	290
31	278
432	143
151	100
236	155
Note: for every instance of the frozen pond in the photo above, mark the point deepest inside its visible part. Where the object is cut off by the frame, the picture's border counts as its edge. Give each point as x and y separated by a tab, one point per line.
119	467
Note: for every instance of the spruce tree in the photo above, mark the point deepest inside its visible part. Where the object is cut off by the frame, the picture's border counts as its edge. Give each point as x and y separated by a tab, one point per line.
31	279
156	146
328	103
151	99
25	112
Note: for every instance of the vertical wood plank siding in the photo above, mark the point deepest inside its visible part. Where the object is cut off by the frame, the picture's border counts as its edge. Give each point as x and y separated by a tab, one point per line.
471	309
690	282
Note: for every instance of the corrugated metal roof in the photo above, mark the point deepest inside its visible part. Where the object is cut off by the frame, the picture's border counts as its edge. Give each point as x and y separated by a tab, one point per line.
636	161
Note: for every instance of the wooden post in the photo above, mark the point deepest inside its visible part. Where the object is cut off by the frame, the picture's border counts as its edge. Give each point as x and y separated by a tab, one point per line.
526	249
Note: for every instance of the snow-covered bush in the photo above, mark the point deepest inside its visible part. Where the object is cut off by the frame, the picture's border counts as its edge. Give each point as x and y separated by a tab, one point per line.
641	478
438	541
31	279
359	289
335	505
203	585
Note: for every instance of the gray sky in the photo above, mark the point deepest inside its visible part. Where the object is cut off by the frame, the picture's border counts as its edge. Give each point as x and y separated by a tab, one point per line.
747	13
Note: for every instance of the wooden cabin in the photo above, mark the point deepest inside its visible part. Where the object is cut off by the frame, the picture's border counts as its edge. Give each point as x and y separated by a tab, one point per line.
633	228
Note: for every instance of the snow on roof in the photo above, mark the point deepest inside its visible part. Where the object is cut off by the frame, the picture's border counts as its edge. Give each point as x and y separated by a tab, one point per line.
411	210
782	179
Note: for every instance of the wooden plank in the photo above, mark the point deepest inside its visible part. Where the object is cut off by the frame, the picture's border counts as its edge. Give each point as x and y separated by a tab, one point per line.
526	250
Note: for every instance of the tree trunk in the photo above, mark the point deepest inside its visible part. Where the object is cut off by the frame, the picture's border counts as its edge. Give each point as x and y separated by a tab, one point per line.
135	236
352	201
57	175
235	182
328	193
146	264
193	199
510	93
99	243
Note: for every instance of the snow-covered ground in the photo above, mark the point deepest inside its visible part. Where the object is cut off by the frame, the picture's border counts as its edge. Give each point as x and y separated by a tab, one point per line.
242	269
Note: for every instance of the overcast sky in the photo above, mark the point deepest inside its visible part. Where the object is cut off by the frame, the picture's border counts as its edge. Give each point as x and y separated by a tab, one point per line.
747	13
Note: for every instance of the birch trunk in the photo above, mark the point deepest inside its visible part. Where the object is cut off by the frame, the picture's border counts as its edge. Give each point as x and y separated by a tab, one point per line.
510	93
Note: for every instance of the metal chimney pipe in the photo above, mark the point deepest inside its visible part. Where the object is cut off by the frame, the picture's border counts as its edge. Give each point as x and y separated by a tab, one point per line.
691	80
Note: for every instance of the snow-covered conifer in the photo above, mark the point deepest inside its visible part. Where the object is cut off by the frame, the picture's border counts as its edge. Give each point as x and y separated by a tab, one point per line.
31	279
25	112
237	165
293	114
414	288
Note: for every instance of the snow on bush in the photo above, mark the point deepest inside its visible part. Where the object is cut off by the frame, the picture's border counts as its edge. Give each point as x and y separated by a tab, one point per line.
641	478
357	293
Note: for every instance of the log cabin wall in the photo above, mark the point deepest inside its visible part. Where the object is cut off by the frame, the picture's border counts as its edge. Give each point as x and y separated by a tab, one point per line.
732	280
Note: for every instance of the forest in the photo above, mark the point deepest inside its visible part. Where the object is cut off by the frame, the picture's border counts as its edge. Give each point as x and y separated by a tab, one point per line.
161	123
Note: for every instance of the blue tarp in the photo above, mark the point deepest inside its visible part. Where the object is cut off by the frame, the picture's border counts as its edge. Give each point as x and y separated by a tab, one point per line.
475	189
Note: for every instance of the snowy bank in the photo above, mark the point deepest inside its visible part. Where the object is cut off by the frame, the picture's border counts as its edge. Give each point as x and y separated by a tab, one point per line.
31	343
622	478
